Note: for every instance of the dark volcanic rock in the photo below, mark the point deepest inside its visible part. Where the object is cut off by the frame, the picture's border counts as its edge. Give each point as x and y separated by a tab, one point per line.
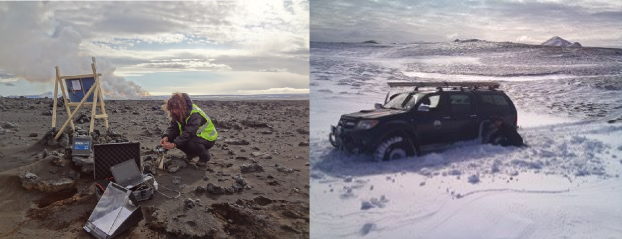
236	142
149	167
32	181
239	180
245	168
302	131
9	125
214	189
282	168
254	124
58	161
80	160
86	163
188	203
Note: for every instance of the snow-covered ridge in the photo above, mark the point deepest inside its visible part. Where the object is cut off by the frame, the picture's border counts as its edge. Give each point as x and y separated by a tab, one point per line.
558	41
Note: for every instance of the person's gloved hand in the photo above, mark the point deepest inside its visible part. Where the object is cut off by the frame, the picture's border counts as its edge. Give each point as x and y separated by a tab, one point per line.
164	140
168	145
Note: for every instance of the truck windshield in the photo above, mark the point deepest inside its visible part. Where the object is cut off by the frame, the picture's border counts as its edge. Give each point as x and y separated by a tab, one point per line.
403	101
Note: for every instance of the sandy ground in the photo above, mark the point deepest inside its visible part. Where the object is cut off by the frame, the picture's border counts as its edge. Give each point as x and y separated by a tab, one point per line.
274	204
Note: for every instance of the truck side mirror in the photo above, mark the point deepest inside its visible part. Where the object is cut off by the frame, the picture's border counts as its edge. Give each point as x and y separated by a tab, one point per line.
378	106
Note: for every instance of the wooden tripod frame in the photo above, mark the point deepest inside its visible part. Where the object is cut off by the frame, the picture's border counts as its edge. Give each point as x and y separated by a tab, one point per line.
97	94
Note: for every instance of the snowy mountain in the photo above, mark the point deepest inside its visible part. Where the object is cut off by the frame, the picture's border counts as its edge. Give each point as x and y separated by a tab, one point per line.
558	41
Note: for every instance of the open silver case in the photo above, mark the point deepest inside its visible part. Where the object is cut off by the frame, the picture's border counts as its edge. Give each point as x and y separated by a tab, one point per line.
116	211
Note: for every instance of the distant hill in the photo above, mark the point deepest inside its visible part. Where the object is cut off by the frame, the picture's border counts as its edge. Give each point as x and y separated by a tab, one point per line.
48	94
370	42
558	41
468	40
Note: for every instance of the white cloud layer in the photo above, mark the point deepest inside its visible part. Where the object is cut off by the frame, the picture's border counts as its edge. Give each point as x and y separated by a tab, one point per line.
133	38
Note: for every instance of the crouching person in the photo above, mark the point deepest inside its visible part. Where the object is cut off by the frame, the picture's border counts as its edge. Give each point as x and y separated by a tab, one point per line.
190	129
504	134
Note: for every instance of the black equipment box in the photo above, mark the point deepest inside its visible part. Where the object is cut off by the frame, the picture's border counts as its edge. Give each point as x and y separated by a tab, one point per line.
129	176
141	192
107	155
81	145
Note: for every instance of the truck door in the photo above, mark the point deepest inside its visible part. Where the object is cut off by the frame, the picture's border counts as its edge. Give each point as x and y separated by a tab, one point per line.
462	124
431	119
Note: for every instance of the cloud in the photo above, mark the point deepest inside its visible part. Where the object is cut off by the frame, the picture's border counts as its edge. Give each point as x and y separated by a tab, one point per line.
593	23
135	38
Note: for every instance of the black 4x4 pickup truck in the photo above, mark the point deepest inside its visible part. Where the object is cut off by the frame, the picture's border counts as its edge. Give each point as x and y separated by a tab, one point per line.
423	118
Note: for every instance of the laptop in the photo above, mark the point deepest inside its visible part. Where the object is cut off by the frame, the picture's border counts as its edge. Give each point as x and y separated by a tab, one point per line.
128	175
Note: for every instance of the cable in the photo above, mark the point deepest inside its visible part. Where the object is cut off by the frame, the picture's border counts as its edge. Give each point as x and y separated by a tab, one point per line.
155	186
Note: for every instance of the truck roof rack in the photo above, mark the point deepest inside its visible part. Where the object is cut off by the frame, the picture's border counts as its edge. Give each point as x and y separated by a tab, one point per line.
469	84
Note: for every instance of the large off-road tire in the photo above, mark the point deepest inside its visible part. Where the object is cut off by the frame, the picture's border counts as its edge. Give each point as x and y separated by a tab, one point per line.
394	147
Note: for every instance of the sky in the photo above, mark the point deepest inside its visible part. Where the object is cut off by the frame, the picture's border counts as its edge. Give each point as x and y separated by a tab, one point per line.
157	48
595	23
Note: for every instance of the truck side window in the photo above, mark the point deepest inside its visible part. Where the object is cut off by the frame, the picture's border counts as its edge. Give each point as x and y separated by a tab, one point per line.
434	102
494	100
460	103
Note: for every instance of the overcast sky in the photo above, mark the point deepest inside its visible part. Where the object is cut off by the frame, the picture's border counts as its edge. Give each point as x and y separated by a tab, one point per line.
592	23
227	47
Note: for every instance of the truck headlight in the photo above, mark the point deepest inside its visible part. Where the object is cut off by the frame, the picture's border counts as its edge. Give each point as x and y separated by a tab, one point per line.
366	124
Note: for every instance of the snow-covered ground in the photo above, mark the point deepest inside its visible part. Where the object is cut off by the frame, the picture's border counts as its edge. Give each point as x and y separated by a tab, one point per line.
566	184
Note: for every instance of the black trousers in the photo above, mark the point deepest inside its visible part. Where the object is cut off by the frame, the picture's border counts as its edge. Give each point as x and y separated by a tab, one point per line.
196	146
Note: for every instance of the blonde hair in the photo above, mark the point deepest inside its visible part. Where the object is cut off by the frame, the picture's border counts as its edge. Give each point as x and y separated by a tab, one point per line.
177	101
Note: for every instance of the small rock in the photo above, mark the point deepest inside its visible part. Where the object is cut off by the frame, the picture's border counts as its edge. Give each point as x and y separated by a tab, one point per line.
239	180
64	140
236	142
81	160
302	131
179	163
282	168
214	189
173	169
474	179
34	135
9	125
149	167
201	189
245	168
176	179
58	161
303	144
366	205
188	203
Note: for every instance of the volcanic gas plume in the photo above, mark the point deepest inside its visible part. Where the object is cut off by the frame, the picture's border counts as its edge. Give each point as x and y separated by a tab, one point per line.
34	44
